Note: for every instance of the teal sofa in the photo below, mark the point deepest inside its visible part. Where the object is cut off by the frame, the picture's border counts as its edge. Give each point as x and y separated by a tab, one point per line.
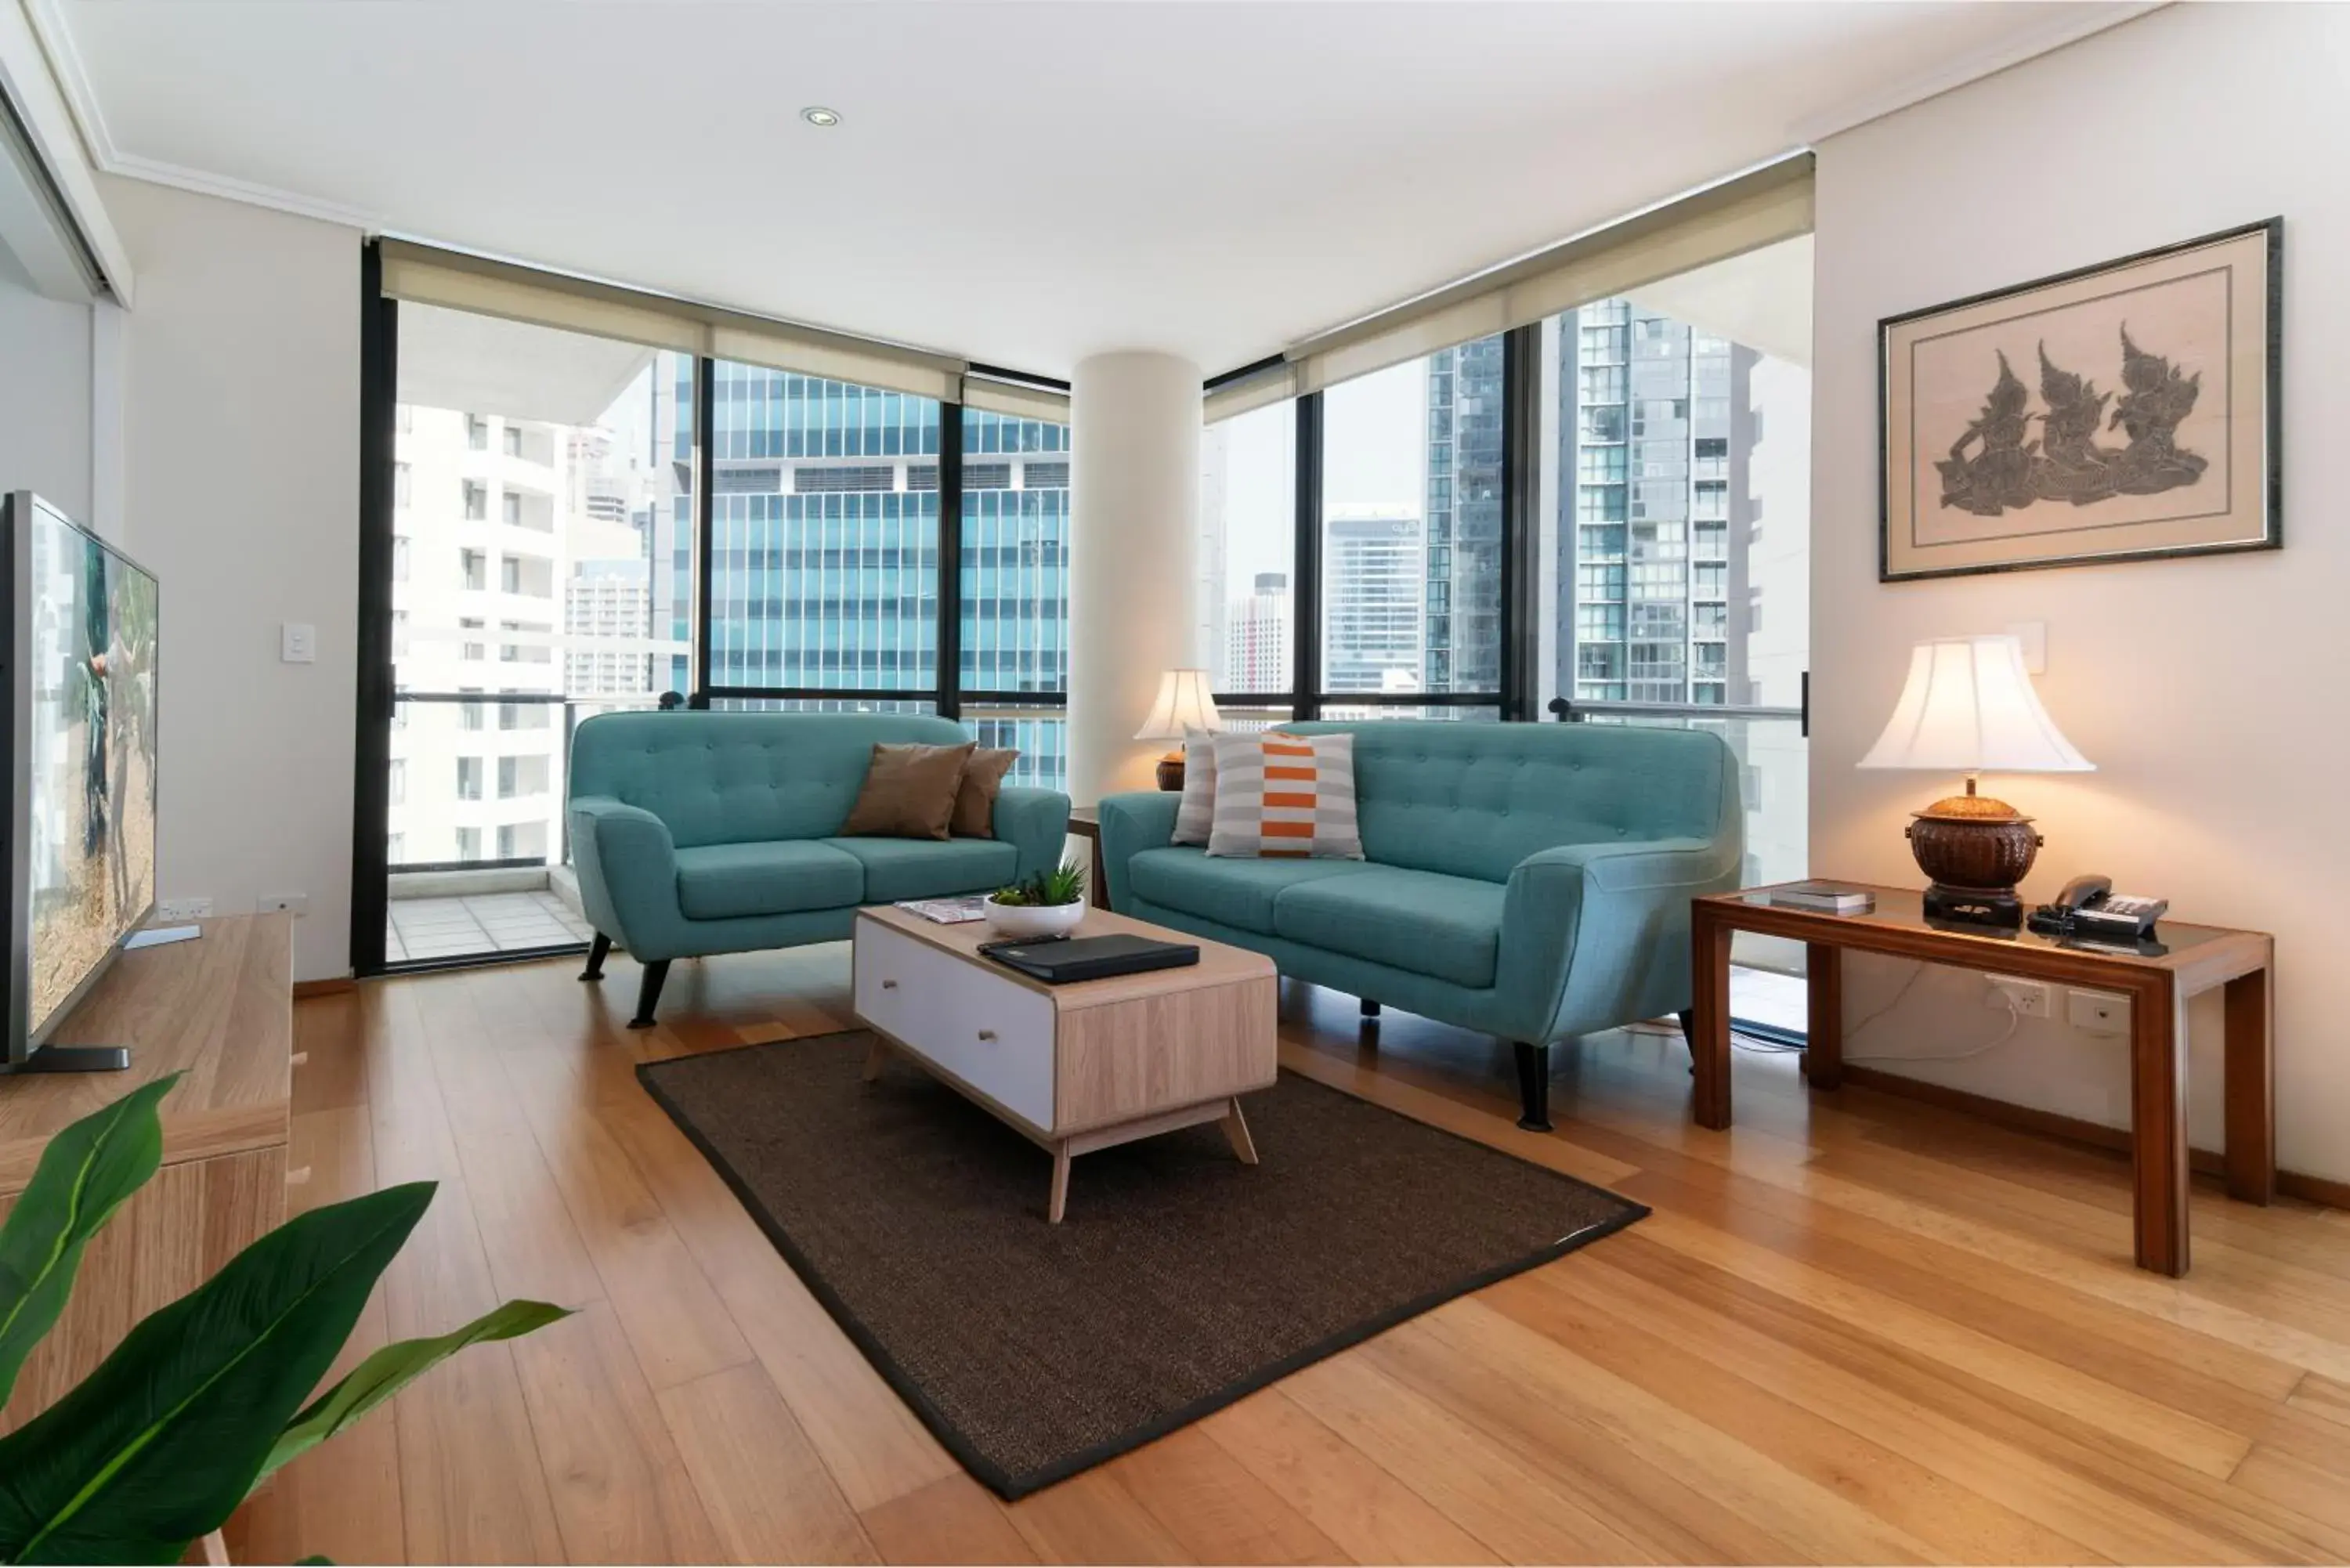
1531	881
696	833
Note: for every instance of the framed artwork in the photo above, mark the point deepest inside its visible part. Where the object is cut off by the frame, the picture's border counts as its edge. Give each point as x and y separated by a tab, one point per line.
2117	412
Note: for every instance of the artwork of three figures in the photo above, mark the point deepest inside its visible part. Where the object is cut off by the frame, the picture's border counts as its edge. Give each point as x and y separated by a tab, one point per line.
2126	410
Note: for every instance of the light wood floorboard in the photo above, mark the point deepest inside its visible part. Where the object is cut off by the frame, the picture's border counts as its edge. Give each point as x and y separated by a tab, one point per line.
1854	1328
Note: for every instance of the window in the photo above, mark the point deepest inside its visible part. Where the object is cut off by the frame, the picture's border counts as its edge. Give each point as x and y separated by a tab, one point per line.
525	715
471	650
1645	557
477	500
399	557
397	782
513	439
1016	558
512	508
1411	526
519	776
1248	545
469	778
510	575
824	588
534	651
469	843
473	565
400	481
477	433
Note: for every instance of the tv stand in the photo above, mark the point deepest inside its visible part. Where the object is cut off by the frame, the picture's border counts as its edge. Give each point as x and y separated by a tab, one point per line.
220	1013
73	1059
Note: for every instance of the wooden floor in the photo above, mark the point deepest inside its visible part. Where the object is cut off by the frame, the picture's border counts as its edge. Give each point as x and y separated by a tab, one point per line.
1853	1329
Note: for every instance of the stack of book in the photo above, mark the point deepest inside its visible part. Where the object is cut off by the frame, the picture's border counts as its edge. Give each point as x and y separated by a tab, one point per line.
1827	898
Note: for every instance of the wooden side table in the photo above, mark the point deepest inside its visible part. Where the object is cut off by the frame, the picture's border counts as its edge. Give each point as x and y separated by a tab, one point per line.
2159	978
1085	823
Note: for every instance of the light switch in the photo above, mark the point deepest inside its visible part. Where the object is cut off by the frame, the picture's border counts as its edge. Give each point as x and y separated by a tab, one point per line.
297	643
2034	635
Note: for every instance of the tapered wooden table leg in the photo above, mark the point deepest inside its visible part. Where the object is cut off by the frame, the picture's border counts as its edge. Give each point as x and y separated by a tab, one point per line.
1060	1203
2158	1124
876	1057
1236	1133
1710	1046
1824	1028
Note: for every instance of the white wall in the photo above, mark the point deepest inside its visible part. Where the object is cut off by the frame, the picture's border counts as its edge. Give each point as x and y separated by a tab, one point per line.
241	495
44	402
2207	691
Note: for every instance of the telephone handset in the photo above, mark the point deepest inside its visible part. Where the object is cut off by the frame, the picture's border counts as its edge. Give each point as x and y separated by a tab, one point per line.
2088	907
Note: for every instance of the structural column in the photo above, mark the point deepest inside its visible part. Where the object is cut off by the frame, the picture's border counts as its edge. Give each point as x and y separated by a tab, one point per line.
1134	518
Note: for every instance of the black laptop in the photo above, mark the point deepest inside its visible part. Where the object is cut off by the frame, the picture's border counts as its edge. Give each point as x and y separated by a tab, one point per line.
1074	959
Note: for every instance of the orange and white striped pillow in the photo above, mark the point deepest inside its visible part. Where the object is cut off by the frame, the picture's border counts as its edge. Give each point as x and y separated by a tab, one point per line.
1291	796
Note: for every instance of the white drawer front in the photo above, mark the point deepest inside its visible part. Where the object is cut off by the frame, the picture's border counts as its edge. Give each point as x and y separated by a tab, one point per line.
992	1033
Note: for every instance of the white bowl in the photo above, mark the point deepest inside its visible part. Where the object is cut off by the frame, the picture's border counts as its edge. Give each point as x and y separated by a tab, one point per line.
1034	920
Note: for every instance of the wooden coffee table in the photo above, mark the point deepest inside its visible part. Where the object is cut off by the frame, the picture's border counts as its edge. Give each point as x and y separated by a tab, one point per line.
1077	1067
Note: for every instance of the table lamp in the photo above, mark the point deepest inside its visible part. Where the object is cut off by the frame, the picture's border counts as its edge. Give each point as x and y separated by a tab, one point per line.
1183	704
1969	707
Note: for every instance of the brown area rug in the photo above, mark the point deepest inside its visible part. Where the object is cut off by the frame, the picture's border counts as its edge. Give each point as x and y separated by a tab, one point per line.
1180	1281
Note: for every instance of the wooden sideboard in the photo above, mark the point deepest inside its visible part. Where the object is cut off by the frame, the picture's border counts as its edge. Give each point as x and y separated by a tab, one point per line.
219	1009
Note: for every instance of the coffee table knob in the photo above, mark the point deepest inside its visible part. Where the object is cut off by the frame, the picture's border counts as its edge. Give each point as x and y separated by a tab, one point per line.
888	986
987	1034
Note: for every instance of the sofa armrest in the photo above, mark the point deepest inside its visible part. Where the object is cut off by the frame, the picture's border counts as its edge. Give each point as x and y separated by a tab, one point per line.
1131	824
1035	823
627	864
1594	936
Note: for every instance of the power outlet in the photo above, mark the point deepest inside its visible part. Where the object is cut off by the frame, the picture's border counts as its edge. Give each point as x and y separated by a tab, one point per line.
296	904
2098	1011
183	909
2031	998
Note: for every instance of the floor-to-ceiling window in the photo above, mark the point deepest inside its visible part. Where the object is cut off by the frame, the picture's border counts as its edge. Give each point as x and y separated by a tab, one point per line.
538	503
1015	590
1246	598
1411	539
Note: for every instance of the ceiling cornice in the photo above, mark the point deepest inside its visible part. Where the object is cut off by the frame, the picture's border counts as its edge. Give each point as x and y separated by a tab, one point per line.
1970	68
56	40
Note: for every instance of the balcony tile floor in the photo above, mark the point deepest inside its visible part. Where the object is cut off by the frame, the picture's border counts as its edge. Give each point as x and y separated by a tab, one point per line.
420	929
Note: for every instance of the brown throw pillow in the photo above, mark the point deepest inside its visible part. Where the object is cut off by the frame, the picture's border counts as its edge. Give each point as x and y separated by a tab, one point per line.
974	809
909	793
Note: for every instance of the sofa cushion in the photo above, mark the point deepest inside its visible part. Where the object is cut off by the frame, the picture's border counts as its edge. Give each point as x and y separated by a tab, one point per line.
721	882
928	869
1425	921
1230	891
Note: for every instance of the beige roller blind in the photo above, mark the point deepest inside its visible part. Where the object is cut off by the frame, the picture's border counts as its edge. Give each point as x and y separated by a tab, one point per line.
1744	212
1274	384
460	282
1015	400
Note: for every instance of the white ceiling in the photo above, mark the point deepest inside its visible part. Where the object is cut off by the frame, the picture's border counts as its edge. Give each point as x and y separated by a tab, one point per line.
1018	182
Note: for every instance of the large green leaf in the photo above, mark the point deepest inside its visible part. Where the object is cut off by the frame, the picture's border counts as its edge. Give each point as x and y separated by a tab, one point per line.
84	1175
393	1368
161	1442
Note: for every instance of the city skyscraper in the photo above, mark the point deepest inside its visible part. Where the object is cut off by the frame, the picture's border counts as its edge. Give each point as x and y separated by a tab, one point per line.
1462	624
1258	651
1373	613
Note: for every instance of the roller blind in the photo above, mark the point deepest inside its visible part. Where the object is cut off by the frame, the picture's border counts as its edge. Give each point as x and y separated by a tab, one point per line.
428	275
1744	212
1015	399
1274	384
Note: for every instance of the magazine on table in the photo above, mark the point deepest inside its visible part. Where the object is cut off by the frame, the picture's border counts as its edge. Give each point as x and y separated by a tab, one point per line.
948	911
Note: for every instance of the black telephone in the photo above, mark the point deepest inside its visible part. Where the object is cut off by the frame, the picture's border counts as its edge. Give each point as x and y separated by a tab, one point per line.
2088	907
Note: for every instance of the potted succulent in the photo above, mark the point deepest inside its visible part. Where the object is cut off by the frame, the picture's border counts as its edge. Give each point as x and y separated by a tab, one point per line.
1048	903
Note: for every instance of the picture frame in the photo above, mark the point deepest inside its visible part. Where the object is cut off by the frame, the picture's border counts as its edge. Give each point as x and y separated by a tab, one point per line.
2129	411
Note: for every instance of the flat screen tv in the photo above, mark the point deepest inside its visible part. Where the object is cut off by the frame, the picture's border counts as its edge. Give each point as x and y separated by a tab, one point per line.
78	752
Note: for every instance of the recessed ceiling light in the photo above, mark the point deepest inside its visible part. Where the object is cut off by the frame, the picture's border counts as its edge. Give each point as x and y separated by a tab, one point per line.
816	114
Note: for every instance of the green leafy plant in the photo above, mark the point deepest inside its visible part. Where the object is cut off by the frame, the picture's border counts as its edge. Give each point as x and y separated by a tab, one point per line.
1063	884
205	1397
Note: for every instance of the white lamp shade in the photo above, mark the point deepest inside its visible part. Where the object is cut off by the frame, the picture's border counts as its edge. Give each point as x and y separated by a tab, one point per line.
1969	707
1183	704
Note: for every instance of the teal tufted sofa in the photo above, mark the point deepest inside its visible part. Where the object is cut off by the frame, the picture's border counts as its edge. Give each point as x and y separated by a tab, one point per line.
695	833
1526	880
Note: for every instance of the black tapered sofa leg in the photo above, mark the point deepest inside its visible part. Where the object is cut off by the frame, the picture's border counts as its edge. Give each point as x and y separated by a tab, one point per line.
597	951
1689	1034
649	994
1370	1008
1534	1086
